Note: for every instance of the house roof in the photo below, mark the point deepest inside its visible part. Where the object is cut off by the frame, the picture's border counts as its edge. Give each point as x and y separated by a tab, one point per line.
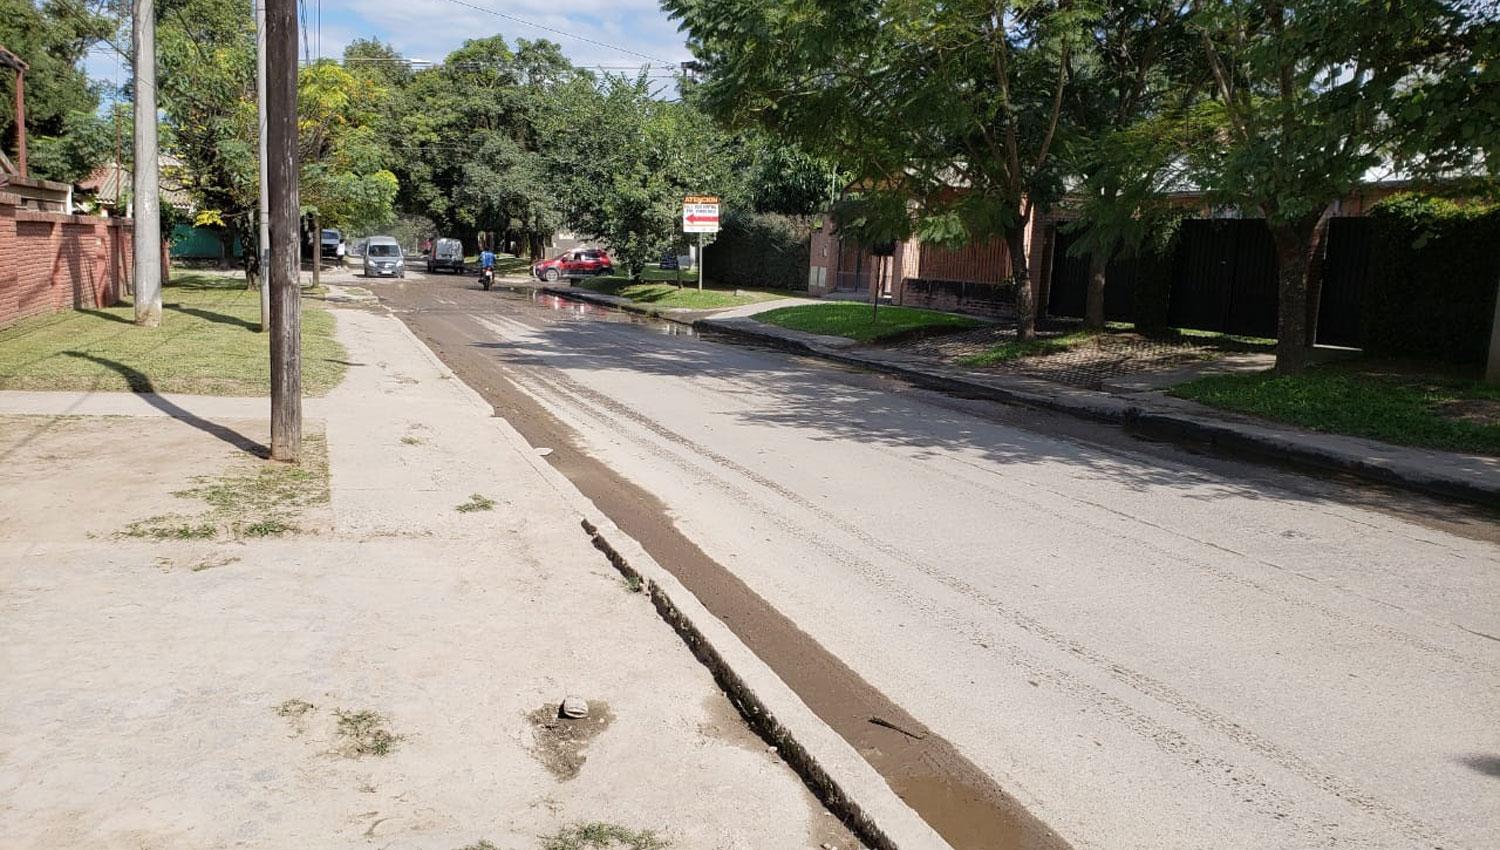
107	181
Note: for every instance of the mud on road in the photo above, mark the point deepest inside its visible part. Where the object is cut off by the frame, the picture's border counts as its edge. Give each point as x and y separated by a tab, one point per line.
963	804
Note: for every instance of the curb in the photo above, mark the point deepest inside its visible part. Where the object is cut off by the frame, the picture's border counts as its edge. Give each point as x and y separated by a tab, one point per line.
836	773
1264	443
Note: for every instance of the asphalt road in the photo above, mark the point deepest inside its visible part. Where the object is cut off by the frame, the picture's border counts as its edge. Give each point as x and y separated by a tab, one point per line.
1065	630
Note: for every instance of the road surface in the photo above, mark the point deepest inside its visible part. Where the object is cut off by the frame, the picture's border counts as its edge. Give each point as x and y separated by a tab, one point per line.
1043	633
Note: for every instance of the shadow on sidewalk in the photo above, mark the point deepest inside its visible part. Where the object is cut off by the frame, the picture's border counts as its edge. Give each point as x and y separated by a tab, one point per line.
142	386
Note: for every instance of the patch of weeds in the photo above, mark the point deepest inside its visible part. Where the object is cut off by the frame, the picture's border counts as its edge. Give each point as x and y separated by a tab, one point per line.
633	584
268	528
477	502
411	441
255	498
170	527
479	845
603	836
365	734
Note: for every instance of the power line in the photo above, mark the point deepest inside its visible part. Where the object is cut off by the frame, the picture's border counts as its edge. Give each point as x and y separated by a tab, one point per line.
509	17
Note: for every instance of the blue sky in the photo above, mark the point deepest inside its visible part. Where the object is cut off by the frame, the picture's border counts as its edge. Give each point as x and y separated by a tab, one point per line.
430	29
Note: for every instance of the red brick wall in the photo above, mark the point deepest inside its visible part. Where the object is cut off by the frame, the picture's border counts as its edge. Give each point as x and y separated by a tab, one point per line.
51	262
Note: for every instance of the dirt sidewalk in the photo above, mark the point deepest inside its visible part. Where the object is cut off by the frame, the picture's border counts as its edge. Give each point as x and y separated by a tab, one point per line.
380	669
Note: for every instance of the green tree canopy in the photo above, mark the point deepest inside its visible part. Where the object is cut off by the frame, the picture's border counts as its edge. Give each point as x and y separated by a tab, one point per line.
946	113
66	139
1311	96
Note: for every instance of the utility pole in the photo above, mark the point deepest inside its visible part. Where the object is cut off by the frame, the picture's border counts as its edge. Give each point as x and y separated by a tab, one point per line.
281	159
264	230
147	235
15	63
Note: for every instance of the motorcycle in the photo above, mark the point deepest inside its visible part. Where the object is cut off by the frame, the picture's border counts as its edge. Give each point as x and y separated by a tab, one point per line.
487	278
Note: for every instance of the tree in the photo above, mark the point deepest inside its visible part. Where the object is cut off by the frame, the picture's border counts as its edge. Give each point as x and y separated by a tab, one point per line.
627	160
206	87
946	113
344	182
1309	99
66	139
1133	78
468	142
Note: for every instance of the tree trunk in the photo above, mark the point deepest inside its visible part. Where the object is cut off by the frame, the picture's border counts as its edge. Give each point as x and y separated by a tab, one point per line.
1293	255
317	251
1015	243
1093	313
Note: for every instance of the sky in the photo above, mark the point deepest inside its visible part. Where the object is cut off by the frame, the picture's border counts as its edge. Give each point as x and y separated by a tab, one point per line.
620	34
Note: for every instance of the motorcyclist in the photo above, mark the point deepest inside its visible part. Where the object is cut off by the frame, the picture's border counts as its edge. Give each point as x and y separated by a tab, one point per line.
487	267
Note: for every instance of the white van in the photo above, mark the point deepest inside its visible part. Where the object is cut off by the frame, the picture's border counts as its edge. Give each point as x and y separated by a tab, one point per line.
446	254
383	257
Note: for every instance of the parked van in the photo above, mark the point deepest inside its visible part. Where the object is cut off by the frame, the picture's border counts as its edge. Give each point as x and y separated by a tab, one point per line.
446	254
383	257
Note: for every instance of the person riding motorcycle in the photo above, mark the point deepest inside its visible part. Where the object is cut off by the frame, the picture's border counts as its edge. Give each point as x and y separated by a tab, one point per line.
486	268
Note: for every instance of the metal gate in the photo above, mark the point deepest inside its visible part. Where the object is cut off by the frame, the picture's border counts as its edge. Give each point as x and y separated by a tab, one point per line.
1346	267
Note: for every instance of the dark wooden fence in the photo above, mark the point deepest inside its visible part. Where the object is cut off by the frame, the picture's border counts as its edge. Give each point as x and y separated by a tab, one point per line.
1222	277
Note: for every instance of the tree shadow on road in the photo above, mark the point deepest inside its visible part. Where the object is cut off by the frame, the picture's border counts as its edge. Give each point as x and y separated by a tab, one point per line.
827	402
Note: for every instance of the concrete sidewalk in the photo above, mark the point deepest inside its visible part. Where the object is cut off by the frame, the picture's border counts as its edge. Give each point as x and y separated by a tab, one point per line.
1153	414
390	677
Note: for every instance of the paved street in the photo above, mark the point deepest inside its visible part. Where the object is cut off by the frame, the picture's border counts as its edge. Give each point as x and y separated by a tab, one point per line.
1140	647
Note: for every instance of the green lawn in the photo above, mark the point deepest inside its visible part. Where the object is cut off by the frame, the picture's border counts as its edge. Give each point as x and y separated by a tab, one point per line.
1015	350
1434	412
653	290
855	322
207	344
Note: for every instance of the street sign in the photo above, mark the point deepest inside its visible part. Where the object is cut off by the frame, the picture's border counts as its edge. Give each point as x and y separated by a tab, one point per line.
700	214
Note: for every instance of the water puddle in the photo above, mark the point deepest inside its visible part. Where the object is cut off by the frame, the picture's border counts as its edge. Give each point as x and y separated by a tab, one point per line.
585	310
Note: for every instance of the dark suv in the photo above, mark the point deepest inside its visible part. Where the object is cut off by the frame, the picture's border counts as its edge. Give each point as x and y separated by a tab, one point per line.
579	262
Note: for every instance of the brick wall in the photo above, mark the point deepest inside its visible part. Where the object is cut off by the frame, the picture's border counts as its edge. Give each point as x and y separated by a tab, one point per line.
51	262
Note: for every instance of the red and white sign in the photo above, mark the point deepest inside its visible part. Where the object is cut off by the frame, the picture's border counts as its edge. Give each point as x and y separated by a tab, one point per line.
700	214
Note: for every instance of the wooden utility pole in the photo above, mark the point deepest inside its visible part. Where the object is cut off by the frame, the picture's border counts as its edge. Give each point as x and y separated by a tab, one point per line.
15	63
147	236
263	231
281	174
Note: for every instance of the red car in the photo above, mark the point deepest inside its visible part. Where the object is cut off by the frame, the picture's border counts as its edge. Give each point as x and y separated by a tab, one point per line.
579	262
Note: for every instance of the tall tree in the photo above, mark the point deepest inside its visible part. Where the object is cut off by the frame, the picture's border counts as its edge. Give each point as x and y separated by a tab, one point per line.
946	113
344	181
1306	105
1134	77
627	160
206	87
468	145
66	139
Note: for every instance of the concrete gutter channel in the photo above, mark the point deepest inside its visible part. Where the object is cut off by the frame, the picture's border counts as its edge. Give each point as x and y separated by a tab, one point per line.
1150	415
837	774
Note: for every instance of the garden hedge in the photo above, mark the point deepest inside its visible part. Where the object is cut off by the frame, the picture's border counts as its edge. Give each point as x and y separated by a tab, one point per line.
1434	273
761	250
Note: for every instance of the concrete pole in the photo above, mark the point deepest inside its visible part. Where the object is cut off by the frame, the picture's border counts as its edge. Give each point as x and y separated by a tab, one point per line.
264	230
147	237
281	159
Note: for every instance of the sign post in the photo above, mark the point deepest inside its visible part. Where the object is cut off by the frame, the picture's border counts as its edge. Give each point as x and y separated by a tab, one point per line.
700	215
